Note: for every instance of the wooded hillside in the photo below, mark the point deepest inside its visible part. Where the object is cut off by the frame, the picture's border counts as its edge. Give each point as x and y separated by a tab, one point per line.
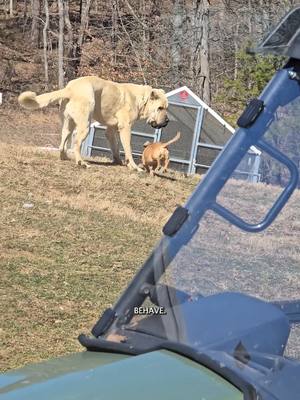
169	43
200	43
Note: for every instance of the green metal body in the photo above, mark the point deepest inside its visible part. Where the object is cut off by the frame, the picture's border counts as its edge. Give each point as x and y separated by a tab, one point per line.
97	376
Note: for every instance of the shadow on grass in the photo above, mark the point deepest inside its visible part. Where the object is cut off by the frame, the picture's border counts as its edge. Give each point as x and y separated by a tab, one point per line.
169	178
104	163
112	164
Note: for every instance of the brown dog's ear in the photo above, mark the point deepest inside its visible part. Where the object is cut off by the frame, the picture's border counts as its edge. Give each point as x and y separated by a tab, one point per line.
146	143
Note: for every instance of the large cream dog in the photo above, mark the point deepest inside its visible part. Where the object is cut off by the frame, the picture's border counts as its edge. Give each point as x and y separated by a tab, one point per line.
116	105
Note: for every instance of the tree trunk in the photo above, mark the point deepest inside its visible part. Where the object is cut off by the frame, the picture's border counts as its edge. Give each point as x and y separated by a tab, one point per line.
68	26
114	25
61	44
84	20
250	12
45	29
236	50
11	8
144	12
176	45
25	9
35	12
25	16
200	49
133	46
84	11
70	50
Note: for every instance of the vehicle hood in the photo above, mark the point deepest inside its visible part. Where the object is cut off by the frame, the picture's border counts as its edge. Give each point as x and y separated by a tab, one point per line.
94	376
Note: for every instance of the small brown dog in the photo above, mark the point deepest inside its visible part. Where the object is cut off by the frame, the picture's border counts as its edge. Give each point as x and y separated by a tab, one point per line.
156	155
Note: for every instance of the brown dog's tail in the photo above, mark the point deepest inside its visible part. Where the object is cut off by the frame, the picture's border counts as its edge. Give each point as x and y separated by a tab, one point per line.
31	101
172	140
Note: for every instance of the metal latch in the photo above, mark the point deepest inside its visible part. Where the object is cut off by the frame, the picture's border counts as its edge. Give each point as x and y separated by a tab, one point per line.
175	222
252	111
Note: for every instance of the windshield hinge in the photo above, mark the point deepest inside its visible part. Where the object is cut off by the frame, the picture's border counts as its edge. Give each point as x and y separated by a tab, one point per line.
176	221
104	322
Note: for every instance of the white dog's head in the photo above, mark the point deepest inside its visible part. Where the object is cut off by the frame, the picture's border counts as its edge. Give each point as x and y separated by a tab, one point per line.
155	108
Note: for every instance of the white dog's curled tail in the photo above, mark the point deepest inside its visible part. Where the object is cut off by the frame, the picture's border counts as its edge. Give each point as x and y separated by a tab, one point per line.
31	101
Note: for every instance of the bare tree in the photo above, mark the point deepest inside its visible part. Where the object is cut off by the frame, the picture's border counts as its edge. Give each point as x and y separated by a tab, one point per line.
70	48
61	44
144	11
177	34
84	21
45	30
35	11
114	28
69	38
132	45
236	49
200	49
193	42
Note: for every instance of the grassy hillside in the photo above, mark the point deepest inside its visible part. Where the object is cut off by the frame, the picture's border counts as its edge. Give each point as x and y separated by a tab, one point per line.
71	239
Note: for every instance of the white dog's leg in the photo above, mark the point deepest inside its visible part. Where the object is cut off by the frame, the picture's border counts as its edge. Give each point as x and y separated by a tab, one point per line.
82	130
125	135
81	134
81	111
114	144
67	129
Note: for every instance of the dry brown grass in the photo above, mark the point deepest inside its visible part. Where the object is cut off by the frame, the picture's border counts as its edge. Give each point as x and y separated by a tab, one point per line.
66	259
41	127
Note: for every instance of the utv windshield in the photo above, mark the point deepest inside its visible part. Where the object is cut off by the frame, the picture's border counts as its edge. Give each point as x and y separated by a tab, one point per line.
223	286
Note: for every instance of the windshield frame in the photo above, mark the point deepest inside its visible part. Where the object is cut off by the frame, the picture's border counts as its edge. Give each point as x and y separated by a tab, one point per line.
186	223
204	196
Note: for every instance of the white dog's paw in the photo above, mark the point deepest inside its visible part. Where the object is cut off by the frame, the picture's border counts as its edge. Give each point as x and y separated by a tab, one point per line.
134	167
83	164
